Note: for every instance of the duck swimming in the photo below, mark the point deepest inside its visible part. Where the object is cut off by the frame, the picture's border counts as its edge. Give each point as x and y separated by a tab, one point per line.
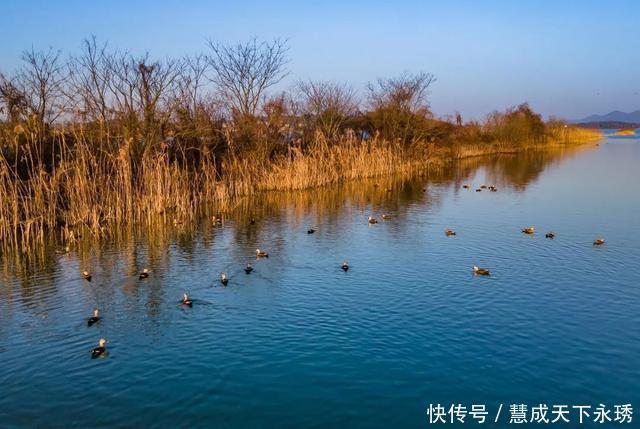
311	231
478	190
93	319
63	251
100	350
386	217
224	279
216	220
493	188
345	266
449	232
529	230
480	271
186	300
248	268
86	275
465	186
483	187
261	253
598	242
372	220
550	234
252	222
144	274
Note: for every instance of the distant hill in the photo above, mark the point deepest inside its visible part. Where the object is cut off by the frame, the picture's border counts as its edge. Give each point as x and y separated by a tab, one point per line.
617	118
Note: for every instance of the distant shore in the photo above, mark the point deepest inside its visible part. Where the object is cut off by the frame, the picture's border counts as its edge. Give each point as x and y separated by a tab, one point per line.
626	132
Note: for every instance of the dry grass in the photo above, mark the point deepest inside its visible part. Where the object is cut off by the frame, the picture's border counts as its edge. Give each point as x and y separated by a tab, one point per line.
98	190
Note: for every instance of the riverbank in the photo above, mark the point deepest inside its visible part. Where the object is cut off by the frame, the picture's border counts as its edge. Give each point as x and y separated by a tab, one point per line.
98	191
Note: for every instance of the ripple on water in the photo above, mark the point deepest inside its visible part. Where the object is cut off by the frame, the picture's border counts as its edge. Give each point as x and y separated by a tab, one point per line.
301	342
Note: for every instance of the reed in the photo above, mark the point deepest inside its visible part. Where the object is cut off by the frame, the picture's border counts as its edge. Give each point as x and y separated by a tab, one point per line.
97	189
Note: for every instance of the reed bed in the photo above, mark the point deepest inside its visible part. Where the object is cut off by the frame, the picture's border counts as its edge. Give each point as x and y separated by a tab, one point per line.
96	189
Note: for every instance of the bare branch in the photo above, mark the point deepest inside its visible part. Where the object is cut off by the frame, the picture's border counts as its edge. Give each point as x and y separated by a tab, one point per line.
243	72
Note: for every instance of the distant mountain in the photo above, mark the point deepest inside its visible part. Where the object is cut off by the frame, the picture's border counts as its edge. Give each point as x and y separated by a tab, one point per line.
615	116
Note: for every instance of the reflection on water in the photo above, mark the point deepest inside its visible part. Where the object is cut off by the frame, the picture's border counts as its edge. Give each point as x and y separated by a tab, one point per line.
385	194
299	342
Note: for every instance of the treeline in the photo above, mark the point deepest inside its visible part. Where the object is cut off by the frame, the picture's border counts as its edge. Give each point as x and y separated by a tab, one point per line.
104	136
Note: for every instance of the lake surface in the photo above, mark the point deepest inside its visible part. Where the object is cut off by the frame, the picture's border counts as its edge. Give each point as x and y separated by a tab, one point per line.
300	343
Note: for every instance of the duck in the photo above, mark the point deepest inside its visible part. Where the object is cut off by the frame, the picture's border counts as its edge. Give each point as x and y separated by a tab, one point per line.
345	266
186	300
86	275
492	188
252	222
465	186
176	222
216	220
478	190
386	216
483	187
224	279
529	230
480	271
311	231
248	269
93	319
261	253
550	234
100	350
449	232
144	274
598	242
64	250
372	220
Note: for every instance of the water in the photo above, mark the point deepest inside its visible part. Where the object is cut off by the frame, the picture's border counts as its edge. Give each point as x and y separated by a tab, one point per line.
300	343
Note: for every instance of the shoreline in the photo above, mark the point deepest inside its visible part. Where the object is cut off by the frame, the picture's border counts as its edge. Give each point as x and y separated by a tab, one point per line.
302	172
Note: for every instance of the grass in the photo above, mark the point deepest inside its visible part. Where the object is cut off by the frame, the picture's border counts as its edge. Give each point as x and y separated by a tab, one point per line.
101	189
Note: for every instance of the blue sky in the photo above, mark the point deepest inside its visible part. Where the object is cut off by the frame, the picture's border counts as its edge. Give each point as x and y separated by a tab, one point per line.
566	58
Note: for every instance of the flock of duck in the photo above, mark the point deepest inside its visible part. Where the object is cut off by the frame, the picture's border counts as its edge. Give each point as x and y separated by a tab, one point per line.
100	350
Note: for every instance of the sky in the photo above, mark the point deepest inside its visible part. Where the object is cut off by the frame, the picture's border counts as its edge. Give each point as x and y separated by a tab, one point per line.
567	58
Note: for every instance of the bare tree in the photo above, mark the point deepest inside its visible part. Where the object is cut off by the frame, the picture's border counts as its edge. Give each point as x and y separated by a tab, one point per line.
407	93
400	109
41	79
156	81
328	104
139	86
197	112
244	71
191	81
13	101
89	80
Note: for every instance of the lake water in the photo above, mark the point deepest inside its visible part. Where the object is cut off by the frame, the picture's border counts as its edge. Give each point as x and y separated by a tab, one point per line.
300	343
